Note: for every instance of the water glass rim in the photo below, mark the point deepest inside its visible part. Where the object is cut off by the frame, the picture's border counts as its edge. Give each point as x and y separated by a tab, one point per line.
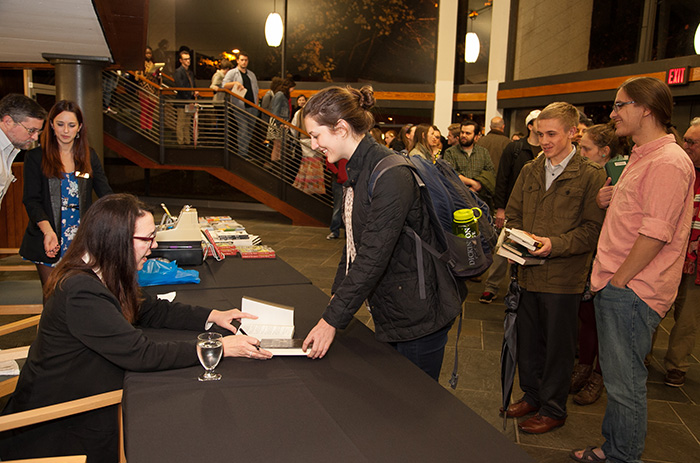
209	336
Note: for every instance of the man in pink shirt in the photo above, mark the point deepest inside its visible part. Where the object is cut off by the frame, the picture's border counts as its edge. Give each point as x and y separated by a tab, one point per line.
639	261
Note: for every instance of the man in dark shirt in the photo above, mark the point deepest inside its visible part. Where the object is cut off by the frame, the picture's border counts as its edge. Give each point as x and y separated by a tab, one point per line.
514	157
238	80
184	78
495	141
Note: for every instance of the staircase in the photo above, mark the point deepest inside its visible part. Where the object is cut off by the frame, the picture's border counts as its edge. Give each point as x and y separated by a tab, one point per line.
140	122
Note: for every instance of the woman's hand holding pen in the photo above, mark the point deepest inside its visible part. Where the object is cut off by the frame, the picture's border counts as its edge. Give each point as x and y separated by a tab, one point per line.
244	346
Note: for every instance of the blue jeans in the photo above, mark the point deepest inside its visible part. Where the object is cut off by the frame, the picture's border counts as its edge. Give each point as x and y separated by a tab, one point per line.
625	327
246	126
426	352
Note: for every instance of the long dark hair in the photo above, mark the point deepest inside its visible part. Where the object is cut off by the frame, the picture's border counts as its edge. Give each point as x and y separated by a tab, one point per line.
51	164
105	237
655	96
332	104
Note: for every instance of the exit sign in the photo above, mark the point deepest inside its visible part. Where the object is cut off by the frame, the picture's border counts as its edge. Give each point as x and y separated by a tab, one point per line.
677	76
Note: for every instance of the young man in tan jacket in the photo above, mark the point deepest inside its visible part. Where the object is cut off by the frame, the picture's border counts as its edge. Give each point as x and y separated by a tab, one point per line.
554	198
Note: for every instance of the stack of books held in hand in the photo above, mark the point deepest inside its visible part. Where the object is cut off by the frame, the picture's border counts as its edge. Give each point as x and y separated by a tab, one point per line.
517	246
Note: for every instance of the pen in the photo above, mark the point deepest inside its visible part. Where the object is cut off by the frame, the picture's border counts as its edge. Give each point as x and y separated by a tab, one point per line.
242	331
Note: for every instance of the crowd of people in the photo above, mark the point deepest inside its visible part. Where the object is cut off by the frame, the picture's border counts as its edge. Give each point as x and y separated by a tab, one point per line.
614	207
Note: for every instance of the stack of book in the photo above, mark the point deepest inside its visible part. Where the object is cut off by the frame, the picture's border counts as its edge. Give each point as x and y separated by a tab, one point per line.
517	246
230	237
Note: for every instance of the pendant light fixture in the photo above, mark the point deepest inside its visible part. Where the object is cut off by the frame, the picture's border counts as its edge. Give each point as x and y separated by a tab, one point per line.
472	47
274	29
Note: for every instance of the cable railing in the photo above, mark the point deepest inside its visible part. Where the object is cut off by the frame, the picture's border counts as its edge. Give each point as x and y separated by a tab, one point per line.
154	112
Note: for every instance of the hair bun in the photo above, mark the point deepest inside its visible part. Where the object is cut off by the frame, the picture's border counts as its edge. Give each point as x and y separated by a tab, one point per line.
366	97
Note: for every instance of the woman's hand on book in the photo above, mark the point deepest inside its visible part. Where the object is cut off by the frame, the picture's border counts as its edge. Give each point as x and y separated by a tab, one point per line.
319	340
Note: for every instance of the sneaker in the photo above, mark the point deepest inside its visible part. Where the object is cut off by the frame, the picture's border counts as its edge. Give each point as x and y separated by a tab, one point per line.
674	378
487	297
332	236
591	391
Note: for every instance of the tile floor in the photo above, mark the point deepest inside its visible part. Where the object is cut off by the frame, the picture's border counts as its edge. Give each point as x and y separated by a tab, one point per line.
674	414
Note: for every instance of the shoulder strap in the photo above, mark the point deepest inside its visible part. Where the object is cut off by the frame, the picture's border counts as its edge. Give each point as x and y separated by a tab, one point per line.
518	149
384	165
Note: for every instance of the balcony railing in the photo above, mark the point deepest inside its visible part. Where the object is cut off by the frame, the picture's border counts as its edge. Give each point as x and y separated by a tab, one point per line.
152	111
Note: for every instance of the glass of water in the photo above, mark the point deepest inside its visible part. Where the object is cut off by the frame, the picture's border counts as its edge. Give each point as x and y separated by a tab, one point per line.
210	347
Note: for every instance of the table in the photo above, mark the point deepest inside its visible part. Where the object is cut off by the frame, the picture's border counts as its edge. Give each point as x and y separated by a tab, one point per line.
362	402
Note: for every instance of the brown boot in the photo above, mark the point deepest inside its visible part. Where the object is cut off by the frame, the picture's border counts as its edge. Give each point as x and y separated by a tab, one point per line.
591	391
579	377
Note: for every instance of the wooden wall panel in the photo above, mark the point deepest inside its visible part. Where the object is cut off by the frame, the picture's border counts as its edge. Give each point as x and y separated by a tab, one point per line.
13	216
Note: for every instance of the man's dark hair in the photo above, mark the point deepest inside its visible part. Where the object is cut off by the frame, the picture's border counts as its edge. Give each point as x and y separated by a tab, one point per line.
477	126
20	107
585	120
243	53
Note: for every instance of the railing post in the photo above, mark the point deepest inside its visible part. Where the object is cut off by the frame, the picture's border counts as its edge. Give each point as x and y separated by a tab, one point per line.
227	153
161	127
283	163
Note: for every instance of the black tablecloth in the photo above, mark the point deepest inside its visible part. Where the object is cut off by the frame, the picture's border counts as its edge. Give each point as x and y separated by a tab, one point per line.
362	402
234	272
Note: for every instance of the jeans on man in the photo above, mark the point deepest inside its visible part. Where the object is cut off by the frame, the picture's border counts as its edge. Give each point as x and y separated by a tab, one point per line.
496	274
246	126
625	327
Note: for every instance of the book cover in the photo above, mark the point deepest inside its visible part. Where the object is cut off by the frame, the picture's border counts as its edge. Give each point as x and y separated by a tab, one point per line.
522	260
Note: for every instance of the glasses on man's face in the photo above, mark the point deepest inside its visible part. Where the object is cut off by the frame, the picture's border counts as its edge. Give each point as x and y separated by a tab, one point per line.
31	131
691	142
617	106
147	239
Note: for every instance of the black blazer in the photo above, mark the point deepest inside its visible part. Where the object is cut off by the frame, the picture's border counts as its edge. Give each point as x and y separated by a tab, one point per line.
83	347
42	199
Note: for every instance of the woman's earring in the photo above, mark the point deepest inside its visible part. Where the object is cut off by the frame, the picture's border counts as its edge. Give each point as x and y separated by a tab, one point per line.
77	135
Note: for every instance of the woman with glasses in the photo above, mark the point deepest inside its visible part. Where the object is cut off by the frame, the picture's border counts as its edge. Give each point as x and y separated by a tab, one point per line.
59	178
87	339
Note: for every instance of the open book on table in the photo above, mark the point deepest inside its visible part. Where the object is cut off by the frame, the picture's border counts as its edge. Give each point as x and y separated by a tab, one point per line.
274	326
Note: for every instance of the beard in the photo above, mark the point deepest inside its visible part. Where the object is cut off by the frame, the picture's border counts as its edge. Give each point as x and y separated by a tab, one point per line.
466	143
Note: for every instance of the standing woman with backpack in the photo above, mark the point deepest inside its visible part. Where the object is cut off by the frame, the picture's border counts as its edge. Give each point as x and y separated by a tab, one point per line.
379	264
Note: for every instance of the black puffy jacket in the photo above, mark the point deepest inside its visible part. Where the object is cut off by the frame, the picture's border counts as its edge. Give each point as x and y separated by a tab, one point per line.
385	268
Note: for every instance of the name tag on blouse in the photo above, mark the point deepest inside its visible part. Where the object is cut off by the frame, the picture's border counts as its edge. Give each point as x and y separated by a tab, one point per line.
82	174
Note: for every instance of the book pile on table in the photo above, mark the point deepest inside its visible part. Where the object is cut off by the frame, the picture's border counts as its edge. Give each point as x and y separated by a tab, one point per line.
229	238
517	246
257	252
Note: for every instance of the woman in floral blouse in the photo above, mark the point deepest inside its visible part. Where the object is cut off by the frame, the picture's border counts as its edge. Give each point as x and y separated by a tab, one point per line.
59	177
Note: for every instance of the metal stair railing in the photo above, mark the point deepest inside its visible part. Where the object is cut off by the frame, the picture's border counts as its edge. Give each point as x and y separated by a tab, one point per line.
151	111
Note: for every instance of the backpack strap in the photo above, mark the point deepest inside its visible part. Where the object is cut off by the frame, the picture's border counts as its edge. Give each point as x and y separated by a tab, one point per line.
384	165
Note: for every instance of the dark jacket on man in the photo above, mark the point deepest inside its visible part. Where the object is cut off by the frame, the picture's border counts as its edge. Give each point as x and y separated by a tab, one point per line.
514	157
495	141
